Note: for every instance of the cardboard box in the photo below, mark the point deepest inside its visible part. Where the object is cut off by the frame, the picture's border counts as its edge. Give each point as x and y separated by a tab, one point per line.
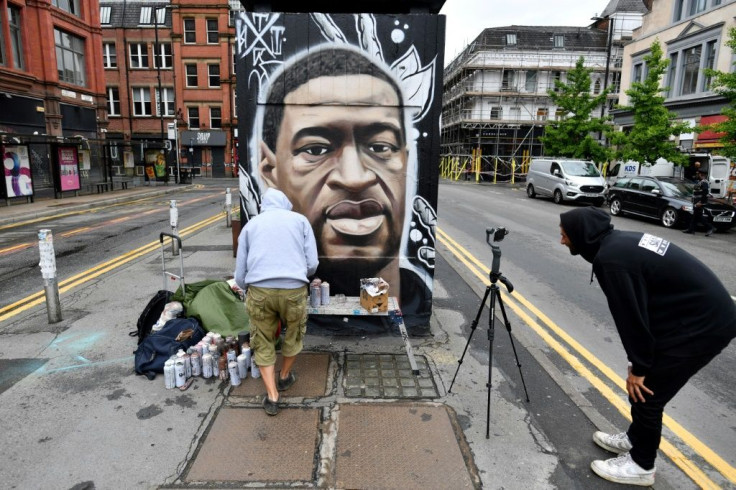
374	294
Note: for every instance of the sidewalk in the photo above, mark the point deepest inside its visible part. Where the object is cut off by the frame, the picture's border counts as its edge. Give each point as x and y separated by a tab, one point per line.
74	415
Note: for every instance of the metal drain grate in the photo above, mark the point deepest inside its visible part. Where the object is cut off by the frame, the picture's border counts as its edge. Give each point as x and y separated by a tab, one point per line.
387	376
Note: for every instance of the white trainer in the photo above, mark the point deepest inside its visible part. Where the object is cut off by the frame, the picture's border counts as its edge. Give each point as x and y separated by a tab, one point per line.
623	469
616	443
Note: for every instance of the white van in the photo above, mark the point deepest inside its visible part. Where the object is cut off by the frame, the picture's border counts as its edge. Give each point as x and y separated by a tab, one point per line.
716	167
566	180
661	168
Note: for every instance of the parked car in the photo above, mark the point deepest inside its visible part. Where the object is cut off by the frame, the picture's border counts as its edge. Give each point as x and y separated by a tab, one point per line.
666	199
565	179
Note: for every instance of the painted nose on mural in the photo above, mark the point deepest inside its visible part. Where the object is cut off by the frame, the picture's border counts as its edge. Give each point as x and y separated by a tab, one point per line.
351	173
356	218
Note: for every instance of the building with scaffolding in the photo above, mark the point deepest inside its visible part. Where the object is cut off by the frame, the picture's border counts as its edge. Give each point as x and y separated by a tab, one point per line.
496	103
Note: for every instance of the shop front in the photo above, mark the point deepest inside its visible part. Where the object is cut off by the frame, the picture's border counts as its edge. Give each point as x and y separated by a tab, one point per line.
204	151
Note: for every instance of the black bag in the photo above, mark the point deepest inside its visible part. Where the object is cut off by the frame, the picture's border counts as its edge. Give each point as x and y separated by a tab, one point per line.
151	313
156	348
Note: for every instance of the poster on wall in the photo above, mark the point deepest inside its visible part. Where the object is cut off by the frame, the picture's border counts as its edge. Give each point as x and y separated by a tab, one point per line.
68	168
17	172
128	159
84	160
345	121
155	164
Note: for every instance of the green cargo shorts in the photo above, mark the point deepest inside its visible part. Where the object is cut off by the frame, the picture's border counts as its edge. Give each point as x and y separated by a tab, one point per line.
266	306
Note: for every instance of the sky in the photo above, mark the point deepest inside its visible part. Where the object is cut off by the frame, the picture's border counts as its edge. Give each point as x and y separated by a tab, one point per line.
467	18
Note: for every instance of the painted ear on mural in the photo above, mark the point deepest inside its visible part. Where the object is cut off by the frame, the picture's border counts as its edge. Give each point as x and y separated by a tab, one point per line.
267	166
421	246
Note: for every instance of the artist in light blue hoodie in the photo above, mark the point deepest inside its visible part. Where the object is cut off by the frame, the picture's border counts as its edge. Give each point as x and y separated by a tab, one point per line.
277	253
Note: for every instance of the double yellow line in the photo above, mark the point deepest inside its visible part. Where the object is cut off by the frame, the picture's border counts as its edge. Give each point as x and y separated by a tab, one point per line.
38	298
571	351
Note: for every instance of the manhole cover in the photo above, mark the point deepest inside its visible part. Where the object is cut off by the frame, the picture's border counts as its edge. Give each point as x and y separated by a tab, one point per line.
387	376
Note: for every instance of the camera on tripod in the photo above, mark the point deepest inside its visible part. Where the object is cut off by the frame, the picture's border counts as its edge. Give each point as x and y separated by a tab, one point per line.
498	234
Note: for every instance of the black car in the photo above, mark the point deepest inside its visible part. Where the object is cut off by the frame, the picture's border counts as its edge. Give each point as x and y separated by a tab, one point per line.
667	199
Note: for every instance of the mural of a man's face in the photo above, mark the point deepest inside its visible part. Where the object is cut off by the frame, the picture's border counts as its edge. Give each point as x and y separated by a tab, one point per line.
341	157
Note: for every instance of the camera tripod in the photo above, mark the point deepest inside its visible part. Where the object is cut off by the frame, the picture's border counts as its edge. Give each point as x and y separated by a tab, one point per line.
494	292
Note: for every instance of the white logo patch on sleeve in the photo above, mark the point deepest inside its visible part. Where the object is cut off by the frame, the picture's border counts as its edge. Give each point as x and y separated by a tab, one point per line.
654	243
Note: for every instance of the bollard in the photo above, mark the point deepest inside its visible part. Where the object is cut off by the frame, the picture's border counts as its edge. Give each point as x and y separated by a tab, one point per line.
48	272
174	221
228	208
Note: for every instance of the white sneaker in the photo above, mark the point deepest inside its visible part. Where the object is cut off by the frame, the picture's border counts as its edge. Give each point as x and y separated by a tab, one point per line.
616	443
623	470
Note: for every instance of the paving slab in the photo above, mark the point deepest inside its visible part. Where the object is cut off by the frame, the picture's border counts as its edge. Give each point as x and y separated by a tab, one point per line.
246	445
400	446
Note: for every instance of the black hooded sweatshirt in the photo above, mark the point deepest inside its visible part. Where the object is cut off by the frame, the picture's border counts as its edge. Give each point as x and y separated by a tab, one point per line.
663	300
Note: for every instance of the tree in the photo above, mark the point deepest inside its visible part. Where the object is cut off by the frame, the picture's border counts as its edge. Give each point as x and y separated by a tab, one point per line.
572	136
654	124
725	85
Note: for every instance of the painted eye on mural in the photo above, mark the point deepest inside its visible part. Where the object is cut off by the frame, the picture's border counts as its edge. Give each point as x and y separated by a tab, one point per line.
313	152
383	151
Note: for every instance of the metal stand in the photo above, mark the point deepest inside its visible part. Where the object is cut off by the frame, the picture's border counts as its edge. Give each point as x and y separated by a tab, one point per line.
495	293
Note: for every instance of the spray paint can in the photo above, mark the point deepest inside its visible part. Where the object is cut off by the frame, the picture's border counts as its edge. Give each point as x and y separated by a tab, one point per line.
215	364
232	354
223	368
255	371
196	361
169	374
241	362
315	294
325	293
234	375
182	356
180	370
207	365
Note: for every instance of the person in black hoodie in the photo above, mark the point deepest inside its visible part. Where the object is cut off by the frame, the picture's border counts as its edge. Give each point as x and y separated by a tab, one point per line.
673	316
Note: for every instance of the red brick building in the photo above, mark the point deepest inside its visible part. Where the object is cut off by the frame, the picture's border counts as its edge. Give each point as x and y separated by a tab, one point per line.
190	75
52	91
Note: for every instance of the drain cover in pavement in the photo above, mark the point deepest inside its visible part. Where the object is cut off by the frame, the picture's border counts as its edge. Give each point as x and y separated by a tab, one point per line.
399	446
310	369
246	445
387	376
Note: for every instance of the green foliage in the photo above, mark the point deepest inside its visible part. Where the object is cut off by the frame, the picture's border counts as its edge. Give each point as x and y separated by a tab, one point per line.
649	138
725	85
573	135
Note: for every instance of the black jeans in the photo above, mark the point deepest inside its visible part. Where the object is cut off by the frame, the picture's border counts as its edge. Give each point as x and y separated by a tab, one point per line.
698	218
667	376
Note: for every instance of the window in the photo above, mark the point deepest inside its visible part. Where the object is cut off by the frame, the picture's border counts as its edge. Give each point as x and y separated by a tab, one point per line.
688	8
214	75
671	73
690	66
162	58
689	59
138	55
145	17
193	113
531	81
16	40
166	102
515	113
191	75
215	117
559	41
109	57
507	82
71	6
560	114
697	6
70	58
105	15
511	39
212	35
2	40
496	112
637	75
542	114
113	101
141	101
556	77
190	34
597	87
710	59
235	104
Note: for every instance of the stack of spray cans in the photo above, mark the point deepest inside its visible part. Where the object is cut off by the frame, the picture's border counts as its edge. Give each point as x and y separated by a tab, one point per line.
227	359
319	293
